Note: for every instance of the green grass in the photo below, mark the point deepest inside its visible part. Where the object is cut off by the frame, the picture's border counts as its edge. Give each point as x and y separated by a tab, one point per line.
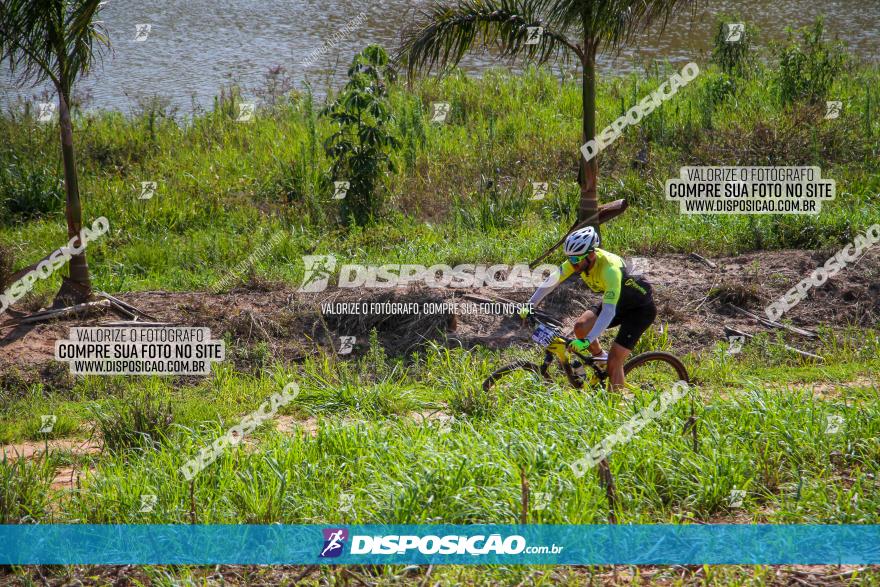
24	496
761	429
224	188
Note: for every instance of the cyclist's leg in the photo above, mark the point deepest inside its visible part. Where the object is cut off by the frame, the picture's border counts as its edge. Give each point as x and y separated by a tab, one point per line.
634	323
616	358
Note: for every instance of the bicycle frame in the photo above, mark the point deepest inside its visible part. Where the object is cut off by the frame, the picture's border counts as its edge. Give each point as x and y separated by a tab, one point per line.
558	349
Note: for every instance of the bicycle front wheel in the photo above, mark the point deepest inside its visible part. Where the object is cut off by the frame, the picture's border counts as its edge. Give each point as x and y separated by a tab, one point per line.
655	371
507	372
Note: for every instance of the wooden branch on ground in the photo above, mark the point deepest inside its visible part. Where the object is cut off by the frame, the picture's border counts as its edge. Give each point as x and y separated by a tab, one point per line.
708	293
730	331
122	311
15	313
800	581
774	324
844	575
125	305
306	572
703	260
59	313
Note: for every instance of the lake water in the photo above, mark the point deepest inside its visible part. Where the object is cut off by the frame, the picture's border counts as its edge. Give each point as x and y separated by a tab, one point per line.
195	47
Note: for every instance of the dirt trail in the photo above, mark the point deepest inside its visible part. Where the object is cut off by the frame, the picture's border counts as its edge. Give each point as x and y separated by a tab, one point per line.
287	325
36	448
69	477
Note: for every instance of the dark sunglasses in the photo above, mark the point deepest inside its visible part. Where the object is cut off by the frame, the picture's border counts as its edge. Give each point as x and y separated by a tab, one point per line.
575	259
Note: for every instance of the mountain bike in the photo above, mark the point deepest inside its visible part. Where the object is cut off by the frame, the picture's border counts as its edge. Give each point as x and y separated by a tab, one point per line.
653	370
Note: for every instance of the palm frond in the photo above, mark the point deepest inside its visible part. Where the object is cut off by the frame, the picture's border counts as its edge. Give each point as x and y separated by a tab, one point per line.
22	40
442	34
50	39
610	24
85	35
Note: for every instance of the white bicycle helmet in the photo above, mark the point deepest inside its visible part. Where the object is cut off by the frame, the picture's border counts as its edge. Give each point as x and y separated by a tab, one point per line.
581	242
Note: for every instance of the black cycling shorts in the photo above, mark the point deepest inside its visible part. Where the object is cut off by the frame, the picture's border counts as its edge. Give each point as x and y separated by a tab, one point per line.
633	322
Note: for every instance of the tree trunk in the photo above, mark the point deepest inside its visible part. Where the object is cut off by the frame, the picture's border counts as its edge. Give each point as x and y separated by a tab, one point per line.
78	287
588	170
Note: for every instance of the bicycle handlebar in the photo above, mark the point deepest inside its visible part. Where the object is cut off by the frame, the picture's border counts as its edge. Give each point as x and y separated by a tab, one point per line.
543	319
549	323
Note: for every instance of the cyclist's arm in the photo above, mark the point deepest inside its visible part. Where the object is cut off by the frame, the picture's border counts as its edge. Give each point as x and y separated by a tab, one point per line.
613	278
606	315
552	282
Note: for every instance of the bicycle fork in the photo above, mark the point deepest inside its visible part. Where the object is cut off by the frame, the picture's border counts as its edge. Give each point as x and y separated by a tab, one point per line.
576	381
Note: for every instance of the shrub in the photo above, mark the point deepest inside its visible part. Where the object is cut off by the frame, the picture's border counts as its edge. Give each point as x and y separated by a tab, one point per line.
718	89
360	146
807	68
715	91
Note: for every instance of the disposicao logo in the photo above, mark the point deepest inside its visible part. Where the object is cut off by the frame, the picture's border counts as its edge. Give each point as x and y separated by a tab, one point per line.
334	540
317	274
478	545
473	545
319	269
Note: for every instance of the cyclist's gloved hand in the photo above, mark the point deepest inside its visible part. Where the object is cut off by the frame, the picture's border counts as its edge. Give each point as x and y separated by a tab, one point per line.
525	311
580	345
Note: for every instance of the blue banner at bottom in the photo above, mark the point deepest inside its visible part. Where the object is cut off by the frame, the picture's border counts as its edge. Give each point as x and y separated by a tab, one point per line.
439	544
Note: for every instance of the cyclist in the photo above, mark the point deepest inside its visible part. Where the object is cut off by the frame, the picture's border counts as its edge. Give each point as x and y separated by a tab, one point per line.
627	300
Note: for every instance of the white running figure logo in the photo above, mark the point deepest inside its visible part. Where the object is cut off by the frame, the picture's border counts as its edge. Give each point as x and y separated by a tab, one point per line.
335	542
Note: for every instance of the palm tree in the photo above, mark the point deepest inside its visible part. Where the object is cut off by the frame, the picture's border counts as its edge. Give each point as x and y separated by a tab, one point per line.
445	32
59	41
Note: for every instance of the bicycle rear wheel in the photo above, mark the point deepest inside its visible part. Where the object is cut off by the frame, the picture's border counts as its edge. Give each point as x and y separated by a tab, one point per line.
655	371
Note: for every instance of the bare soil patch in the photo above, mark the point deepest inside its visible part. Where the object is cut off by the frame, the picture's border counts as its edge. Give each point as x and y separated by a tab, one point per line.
36	448
833	389
291	425
284	324
69	477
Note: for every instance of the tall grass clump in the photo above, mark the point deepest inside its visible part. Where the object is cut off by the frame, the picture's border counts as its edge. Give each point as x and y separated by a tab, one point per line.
28	191
7	263
808	65
141	423
297	180
411	129
24	489
735	58
154	112
492	209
